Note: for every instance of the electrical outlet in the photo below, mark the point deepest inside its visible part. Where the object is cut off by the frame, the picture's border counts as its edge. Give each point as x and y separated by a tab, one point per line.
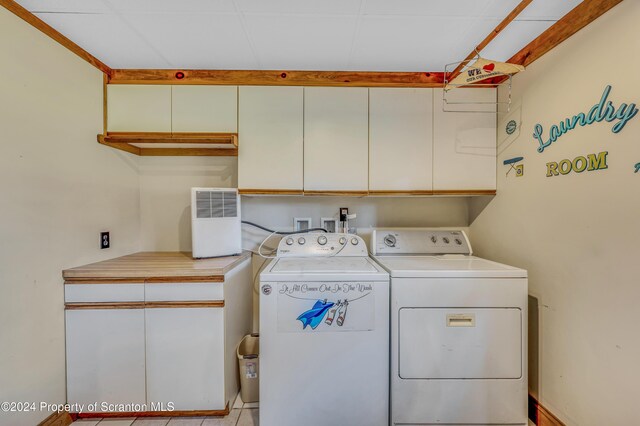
344	212
105	240
329	223
301	223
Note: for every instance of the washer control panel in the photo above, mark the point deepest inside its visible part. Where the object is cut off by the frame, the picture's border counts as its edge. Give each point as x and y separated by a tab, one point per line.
419	241
321	244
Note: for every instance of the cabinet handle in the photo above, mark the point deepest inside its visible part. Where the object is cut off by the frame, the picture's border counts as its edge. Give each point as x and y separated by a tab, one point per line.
461	320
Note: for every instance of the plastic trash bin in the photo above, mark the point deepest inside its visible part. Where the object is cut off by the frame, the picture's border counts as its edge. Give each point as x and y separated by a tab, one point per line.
249	364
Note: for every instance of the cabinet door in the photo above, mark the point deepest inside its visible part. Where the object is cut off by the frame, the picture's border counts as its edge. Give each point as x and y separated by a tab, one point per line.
185	357
105	356
270	138
205	109
138	108
336	139
464	143
400	139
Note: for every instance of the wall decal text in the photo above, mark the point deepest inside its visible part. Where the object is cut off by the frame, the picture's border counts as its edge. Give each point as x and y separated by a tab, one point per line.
603	110
579	164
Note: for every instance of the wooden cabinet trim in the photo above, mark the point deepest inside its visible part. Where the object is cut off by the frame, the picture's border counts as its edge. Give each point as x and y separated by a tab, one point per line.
144	305
103	305
248	191
185	304
193	413
463	192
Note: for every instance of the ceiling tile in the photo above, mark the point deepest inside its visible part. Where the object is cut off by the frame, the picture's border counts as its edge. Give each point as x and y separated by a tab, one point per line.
126	50
325	7
301	42
409	43
75	6
499	9
548	9
438	7
196	41
513	38
171	6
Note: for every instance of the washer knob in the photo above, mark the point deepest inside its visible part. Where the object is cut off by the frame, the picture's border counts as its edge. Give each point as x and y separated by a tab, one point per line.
301	241
289	241
355	241
342	241
390	240
322	240
458	242
446	240
434	239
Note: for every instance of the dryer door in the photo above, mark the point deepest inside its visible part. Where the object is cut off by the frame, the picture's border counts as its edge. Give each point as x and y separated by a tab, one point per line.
453	343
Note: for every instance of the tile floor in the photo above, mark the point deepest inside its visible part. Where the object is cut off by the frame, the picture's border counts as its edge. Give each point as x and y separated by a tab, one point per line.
242	414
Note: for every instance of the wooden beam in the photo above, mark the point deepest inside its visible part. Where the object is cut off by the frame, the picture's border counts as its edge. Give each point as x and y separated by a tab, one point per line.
488	39
578	18
277	78
39	24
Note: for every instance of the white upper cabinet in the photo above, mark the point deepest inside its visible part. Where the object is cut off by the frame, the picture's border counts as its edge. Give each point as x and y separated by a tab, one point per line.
138	108
336	139
464	149
400	139
270	138
211	109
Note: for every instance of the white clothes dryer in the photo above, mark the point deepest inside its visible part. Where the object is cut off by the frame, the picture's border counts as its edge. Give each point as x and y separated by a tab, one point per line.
458	331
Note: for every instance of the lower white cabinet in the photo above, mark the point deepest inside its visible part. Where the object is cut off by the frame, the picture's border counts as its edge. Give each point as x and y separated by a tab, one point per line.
105	356
185	357
158	342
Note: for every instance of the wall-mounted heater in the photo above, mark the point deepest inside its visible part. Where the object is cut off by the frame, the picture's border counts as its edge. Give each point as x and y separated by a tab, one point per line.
215	222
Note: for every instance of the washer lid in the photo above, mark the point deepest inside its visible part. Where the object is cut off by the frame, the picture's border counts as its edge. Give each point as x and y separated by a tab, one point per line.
324	268
447	266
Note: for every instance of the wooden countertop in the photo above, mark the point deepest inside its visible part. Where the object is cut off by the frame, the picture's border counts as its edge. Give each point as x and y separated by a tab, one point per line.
159	266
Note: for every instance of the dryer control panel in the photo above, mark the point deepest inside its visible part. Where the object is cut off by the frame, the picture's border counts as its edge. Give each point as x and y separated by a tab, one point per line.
321	244
419	241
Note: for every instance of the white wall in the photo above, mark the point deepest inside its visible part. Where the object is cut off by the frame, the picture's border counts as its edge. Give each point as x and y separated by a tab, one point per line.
59	190
165	196
577	234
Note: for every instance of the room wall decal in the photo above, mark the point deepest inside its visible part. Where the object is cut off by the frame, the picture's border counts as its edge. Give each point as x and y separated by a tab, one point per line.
603	110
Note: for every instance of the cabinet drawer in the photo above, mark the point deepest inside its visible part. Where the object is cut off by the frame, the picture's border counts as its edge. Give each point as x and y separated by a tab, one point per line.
168	292
79	293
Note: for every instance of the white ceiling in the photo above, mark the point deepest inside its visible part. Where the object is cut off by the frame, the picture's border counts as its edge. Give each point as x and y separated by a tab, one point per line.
357	35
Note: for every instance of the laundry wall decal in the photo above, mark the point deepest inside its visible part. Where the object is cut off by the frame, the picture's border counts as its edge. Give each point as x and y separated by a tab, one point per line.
602	111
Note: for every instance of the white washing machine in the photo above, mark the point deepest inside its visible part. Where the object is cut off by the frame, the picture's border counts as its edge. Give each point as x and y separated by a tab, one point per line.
458	331
324	334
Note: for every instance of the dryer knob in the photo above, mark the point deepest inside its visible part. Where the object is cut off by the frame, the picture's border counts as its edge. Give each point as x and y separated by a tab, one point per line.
322	240
390	240
289	241
355	241
342	241
301	241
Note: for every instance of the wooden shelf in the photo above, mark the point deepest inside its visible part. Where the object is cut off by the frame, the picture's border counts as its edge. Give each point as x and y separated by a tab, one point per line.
173	144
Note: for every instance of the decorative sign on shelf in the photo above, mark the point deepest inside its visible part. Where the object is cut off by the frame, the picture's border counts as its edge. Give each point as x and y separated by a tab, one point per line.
590	163
603	110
